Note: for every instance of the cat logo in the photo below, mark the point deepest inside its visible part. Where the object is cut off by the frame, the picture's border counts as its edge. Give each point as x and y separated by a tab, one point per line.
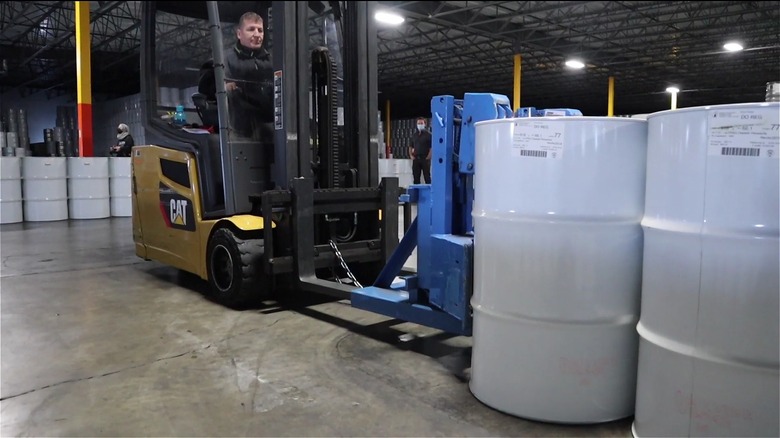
176	209
179	212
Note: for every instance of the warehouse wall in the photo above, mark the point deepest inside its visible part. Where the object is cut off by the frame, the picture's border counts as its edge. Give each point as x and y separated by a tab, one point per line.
41	111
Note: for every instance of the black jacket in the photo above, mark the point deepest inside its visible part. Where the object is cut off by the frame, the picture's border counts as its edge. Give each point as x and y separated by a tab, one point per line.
252	71
125	146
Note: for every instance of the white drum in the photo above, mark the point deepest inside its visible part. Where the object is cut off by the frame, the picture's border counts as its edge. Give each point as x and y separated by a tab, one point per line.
708	354
120	186
88	188
45	188
557	266
10	190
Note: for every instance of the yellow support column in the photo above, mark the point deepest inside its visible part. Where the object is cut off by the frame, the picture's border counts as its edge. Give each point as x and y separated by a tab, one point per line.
611	98
84	79
517	83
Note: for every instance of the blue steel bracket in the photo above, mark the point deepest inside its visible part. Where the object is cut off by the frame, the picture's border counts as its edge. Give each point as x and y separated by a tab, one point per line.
478	107
451	276
530	111
396	304
439	295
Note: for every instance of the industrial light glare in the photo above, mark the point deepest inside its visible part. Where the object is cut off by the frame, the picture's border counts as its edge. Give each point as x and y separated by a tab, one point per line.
672	90
388	18
573	63
733	47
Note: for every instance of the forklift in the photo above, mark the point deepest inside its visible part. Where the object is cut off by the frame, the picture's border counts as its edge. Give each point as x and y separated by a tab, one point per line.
301	209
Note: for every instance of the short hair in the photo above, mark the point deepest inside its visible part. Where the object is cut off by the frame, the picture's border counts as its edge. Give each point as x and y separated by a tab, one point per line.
249	16
423	119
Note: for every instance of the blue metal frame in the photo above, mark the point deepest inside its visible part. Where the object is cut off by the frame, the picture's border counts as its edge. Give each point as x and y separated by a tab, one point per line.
438	296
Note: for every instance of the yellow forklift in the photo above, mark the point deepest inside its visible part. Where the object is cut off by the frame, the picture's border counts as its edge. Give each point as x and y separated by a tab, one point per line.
301	208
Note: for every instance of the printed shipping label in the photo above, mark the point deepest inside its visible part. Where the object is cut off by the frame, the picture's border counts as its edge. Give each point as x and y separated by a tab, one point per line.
538	139
744	133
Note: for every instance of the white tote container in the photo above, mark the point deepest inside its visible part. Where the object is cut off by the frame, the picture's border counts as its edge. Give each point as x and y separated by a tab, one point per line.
88	188
708	352
558	257
10	190
45	188
120	175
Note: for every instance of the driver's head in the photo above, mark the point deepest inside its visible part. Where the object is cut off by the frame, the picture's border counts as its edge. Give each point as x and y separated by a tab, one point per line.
250	31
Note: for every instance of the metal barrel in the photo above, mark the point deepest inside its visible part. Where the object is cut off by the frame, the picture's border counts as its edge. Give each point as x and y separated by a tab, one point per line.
709	342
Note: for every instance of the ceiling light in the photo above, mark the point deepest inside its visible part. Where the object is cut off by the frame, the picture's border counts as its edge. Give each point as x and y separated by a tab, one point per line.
672	90
733	47
389	18
573	63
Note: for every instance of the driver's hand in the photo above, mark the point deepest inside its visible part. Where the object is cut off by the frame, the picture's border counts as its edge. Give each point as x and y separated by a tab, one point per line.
230	86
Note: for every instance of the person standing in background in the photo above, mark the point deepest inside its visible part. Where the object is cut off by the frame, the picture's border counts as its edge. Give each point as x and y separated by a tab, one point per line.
124	143
420	152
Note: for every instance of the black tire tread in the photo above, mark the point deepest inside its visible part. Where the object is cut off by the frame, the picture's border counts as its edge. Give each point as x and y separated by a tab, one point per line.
253	279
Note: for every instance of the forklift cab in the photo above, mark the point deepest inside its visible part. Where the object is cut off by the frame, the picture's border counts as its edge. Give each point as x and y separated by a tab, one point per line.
184	57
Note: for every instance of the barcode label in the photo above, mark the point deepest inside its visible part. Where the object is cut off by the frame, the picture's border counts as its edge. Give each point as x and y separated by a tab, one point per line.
744	132
540	138
740	152
527	153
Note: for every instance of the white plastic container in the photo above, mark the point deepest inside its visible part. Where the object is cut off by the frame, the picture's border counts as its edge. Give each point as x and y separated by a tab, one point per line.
88	188
120	175
399	168
558	257
708	357
10	190
45	188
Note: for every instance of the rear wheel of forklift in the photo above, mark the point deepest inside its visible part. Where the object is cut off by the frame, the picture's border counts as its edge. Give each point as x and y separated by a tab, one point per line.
235	268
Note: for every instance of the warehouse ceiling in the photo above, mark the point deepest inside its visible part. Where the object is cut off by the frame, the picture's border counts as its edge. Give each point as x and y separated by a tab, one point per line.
453	47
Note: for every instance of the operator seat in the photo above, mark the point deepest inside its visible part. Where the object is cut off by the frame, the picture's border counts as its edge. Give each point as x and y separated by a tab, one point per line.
205	99
207	110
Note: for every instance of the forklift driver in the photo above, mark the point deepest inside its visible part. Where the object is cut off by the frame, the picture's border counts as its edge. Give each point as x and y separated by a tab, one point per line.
249	81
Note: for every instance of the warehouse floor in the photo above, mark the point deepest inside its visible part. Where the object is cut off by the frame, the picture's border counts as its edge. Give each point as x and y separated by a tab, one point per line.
96	342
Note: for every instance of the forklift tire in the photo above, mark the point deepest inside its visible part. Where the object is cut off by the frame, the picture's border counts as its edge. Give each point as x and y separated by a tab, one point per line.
235	269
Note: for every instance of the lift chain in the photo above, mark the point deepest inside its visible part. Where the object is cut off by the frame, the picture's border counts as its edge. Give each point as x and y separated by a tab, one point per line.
344	264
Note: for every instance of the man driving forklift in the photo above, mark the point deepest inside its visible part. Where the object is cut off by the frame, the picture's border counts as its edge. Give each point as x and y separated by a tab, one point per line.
249	74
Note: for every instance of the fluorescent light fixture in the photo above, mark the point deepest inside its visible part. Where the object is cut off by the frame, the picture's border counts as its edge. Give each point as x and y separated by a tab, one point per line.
573	63
733	47
672	90
388	18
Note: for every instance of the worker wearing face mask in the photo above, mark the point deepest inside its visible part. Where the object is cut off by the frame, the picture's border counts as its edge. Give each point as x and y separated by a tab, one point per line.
124	143
420	152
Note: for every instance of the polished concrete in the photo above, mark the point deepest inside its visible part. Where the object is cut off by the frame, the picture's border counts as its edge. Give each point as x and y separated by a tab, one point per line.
96	342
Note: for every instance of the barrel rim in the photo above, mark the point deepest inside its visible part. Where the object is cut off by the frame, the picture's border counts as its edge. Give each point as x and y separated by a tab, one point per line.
565	118
724	106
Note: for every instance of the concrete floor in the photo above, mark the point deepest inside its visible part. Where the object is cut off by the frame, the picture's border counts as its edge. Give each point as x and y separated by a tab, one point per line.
96	342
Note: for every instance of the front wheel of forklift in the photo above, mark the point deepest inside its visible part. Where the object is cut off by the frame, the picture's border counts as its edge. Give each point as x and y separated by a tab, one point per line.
235	269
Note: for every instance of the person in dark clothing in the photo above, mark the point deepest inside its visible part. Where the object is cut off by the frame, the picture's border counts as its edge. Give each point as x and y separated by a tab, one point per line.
125	142
249	80
420	152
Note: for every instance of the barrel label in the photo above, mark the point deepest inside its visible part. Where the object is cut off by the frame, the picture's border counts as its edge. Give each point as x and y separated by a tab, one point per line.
538	139
744	133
